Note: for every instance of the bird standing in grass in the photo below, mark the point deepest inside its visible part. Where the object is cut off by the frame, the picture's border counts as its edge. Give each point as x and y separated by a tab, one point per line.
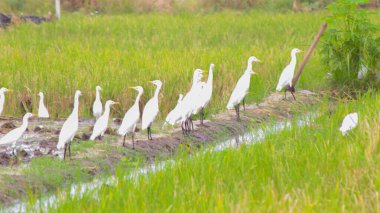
349	123
131	118
69	128
101	124
241	88
189	102
151	110
206	92
97	107
287	75
42	111
3	90
16	134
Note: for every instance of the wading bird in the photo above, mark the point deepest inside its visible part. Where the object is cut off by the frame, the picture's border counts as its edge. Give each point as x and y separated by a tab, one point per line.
241	88
97	107
206	93
3	90
151	110
42	111
349	123
131	118
173	118
287	75
16	134
101	124
69	128
190	102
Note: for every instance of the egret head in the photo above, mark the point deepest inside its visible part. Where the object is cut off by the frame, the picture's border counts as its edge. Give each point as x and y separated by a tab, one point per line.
253	59
295	51
138	89
3	89
78	93
110	102
212	67
28	115
158	83
40	94
98	88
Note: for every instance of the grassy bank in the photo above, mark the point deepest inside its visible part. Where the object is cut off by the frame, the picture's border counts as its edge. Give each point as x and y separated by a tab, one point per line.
117	52
310	168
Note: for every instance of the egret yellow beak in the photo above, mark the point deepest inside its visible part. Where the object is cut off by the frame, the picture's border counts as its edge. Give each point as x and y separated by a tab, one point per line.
116	103
9	90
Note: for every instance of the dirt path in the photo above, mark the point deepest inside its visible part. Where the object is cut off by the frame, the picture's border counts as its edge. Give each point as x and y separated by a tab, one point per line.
42	137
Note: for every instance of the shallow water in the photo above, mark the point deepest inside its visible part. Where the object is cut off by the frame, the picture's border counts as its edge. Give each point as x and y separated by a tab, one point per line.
249	138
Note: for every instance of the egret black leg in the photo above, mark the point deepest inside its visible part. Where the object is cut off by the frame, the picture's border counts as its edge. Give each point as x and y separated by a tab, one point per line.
133	140
69	150
183	129
244	104
150	133
293	95
237	109
191	122
64	152
285	95
124	140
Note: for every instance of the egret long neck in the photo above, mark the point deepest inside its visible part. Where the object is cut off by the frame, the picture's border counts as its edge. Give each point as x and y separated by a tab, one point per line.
210	77
24	123
137	99
157	91
293	60
97	95
41	100
249	67
76	105
107	111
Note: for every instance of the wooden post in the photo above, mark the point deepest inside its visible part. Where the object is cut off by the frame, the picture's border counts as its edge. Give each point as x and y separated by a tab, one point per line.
307	56
58	9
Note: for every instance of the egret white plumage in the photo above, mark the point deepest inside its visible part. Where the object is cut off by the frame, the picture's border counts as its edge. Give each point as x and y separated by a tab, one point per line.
287	74
101	124
42	111
151	110
69	128
131	118
241	88
349	123
97	107
189	102
173	116
3	90
206	92
15	134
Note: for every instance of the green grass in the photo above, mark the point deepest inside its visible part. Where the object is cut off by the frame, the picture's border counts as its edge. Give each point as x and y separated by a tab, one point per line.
310	168
117	52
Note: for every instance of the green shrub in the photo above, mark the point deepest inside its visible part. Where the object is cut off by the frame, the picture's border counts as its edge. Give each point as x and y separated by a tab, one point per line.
349	45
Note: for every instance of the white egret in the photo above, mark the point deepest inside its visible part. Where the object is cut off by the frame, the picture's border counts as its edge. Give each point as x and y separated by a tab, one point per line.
241	88
101	124
131	118
69	128
3	90
97	107
207	92
16	134
42	111
172	117
190	102
349	123
151	110
287	75
363	71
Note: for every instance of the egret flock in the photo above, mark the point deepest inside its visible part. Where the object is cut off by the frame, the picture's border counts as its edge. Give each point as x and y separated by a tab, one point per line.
192	103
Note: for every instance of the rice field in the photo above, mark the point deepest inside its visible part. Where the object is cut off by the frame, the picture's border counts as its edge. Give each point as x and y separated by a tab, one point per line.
117	52
302	168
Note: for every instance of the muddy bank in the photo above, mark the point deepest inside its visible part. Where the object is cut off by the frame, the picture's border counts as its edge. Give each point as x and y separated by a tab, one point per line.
41	139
